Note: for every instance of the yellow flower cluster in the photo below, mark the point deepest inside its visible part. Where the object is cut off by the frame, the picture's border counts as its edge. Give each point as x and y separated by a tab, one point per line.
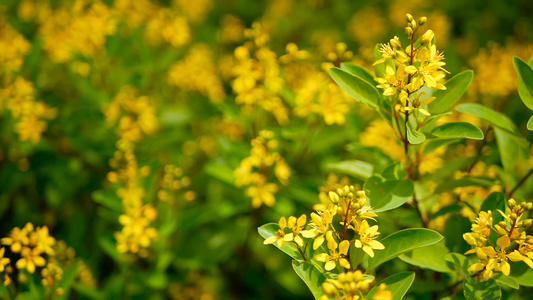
495	74
13	48
136	115
81	28
35	248
169	26
512	244
231	29
414	67
19	98
351	209
350	285
174	182
137	234
253	170
257	80
198	72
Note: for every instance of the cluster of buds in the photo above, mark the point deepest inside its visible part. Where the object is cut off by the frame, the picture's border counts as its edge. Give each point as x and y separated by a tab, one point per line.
512	243
415	66
350	285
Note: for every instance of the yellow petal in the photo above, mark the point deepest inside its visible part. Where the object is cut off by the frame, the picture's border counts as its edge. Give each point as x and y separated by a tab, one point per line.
344	263
330	265
308	233
302	220
318	242
376	245
288	237
368	250
343	247
411	70
270	240
505	268
504	241
323	257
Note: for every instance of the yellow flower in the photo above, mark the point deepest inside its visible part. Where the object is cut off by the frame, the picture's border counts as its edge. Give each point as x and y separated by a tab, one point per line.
320	225
366	238
296	225
262	193
280	238
41	239
18	238
334	256
483	223
31	258
4	261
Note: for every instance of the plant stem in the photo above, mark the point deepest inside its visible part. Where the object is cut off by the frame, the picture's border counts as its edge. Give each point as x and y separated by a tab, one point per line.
519	184
478	155
423	218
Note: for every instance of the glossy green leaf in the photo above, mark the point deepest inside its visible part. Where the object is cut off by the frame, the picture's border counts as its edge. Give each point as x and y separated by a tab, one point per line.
506	280
481	290
69	276
458	262
269	230
221	172
88	292
356	87
414	136
398	284
530	124
312	277
355	168
356	256
511	152
455	88
458	130
401	242
522	273
359	72
465	181
385	195
491	116
429	257
524	73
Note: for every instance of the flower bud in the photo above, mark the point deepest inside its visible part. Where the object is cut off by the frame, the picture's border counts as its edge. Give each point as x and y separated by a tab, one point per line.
527	223
427	37
409	18
422	21
511	203
334	197
408	31
395	43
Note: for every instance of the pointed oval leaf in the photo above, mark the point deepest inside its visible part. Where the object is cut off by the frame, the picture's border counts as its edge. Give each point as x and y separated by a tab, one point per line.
430	257
508	281
491	116
455	88
398	284
359	72
356	87
356	168
414	136
481	290
459	261
386	195
401	242
522	274
465	181
269	230
312	277
458	130
530	124
524	73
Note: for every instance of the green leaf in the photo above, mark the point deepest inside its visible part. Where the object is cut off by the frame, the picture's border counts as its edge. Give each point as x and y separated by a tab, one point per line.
88	292
356	256
429	257
358	71
530	124
312	277
459	261
455	88
356	87
414	136
108	199
491	116
398	284
356	168
465	181
69	275
524	73
221	172
481	290
458	130
522	273
289	248
386	195
401	242
506	280
511	152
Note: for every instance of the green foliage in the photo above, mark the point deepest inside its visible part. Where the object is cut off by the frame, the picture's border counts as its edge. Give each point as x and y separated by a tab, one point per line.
312	277
398	283
357	87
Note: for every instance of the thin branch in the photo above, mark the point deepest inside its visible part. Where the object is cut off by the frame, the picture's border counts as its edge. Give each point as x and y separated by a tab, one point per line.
520	183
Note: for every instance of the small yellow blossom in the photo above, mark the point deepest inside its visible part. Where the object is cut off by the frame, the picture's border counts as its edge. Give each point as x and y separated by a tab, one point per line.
30	259
334	256
4	261
366	238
